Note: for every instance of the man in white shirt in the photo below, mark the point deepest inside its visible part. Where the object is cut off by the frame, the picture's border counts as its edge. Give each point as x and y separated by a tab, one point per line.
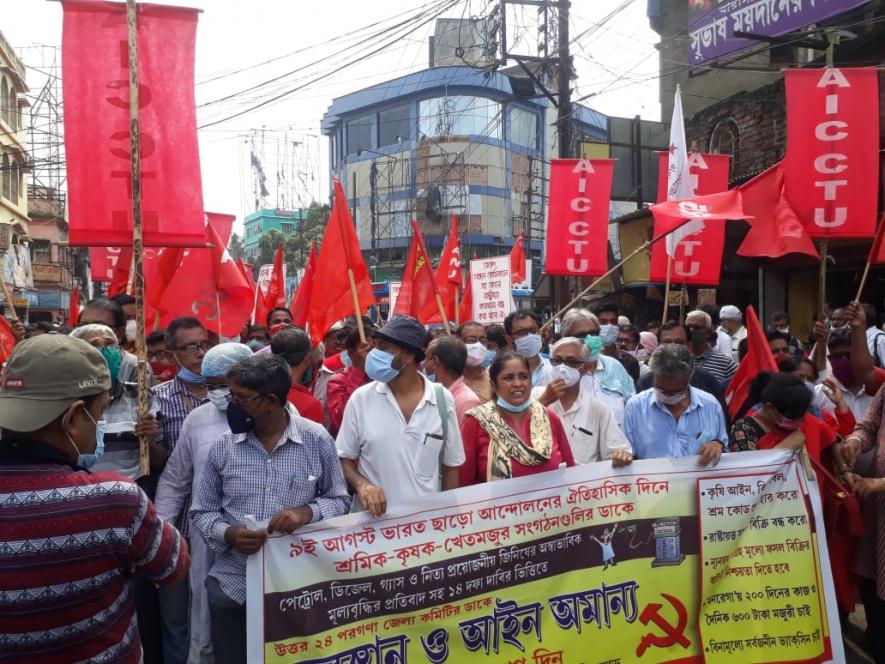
875	336
400	428
732	324
592	431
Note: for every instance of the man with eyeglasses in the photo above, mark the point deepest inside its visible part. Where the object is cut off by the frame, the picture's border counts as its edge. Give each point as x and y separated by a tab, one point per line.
187	341
479	358
523	329
274	466
592	432
674	419
181	478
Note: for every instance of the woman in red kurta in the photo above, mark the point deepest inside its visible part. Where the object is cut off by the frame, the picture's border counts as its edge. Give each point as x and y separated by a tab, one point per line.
512	435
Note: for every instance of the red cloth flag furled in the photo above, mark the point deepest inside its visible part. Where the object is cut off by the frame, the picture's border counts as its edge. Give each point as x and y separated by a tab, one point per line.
301	299
275	296
165	264
209	285
517	260
418	290
340	257
776	230
120	278
74	308
7	339
103	261
465	311
831	167
448	277
697	257
758	358
96	114
877	250
577	217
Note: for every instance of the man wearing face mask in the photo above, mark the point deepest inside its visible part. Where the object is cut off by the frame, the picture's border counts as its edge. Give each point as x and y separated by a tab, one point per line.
700	328
104	528
607	315
343	384
523	329
274	466
479	358
628	343
592	431
401	429
446	359
293	345
181	478
674	419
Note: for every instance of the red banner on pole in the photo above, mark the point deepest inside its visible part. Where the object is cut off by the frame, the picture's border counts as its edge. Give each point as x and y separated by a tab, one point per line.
96	114
831	167
577	218
698	257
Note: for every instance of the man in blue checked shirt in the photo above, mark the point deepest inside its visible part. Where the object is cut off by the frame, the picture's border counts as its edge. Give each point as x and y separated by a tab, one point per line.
674	419
273	465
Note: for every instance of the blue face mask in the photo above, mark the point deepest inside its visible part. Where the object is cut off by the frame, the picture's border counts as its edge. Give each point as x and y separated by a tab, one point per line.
506	405
379	366
189	376
255	344
238	419
87	460
489	358
345	359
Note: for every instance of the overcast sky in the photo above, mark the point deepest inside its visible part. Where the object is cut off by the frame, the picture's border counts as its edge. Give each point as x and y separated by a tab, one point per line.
618	61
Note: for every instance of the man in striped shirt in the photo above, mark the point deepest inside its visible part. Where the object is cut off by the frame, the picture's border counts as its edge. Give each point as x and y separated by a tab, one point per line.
700	329
70	541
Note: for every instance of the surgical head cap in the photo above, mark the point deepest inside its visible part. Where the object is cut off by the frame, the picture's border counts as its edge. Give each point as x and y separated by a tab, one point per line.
219	359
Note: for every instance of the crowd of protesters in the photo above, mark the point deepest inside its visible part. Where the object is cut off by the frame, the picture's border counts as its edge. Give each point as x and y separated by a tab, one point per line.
272	426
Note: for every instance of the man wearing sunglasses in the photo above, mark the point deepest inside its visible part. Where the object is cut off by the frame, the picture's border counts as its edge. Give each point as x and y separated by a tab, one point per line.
592	432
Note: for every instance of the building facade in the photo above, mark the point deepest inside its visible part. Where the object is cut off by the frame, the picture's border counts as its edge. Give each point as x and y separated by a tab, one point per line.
53	262
448	140
13	148
263	221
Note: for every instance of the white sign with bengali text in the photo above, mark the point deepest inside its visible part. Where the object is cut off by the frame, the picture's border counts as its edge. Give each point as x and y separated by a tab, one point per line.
490	281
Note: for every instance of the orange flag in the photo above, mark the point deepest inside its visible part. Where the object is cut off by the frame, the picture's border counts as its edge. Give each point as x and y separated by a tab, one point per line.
340	264
517	260
418	290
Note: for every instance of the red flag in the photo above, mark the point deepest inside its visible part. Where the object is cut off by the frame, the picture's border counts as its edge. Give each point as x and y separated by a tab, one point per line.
877	250
120	279
165	264
517	260
758	358
340	257
275	295
831	167
7	339
301	299
448	278
698	252
418	289
577	217
465	311
96	83
74	307
103	261
776	230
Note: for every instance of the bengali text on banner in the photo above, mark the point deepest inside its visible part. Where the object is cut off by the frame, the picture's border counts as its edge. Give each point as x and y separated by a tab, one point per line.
659	561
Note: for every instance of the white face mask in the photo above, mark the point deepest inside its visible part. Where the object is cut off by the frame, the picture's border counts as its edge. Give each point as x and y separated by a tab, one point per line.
668	399
529	346
218	398
569	376
131	328
476	353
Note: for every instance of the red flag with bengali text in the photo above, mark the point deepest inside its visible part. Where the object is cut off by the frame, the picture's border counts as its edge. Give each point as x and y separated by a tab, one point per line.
74	308
698	255
577	217
340	257
300	304
776	230
831	167
96	114
418	290
758	358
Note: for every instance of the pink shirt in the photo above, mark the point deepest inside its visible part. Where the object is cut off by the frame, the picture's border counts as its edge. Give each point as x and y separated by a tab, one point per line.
464	397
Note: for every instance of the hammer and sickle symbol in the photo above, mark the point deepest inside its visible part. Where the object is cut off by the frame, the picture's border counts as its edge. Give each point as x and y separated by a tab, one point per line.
672	634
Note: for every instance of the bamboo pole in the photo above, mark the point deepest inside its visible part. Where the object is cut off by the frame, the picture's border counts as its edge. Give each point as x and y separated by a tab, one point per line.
645	245
457	306
863	281
137	272
667	290
442	313
822	276
356	305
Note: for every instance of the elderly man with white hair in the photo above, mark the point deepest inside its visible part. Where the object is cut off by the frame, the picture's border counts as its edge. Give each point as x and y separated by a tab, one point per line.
604	377
181	477
731	322
699	326
592	432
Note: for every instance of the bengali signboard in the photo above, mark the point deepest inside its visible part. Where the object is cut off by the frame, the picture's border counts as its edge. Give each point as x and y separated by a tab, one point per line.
712	23
658	561
490	281
46	272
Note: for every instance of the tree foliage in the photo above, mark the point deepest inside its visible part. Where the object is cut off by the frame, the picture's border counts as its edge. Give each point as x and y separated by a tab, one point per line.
296	247
236	247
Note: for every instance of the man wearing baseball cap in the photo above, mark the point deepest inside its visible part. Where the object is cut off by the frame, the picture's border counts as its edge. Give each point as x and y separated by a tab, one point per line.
732	324
401	428
78	536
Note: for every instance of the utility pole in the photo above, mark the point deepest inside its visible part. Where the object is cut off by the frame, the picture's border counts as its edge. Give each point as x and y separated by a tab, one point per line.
373	194
563	75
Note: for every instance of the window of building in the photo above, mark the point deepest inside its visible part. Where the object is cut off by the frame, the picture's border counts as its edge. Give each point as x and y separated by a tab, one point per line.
726	139
333	148
42	251
288	228
395	124
359	134
460	116
524	127
5	177
4	100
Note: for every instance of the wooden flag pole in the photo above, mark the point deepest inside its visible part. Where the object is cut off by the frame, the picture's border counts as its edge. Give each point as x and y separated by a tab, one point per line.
7	295
457	306
863	281
356	305
645	245
137	272
682	298
442	313
667	289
